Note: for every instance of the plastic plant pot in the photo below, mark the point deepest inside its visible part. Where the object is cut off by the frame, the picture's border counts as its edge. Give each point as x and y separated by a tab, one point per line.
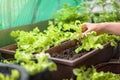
41	75
44	75
109	67
5	69
65	67
8	51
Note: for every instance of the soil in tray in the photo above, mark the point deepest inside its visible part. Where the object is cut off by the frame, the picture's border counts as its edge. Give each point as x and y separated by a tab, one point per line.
68	54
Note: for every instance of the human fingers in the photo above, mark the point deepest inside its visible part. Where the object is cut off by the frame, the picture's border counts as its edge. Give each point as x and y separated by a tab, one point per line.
85	26
85	33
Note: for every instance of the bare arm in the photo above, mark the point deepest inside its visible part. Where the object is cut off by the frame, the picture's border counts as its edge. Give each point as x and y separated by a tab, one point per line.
108	27
111	28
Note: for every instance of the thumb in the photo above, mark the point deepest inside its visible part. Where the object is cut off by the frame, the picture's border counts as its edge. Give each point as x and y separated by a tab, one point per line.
84	27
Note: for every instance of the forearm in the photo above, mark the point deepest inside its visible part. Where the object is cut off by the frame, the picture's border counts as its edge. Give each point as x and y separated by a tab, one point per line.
111	28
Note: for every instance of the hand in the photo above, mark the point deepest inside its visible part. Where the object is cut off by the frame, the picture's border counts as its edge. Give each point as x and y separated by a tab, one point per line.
88	27
109	28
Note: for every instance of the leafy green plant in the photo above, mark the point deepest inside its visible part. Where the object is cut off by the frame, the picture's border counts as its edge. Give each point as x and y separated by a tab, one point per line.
36	41
39	66
34	64
13	76
94	41
83	73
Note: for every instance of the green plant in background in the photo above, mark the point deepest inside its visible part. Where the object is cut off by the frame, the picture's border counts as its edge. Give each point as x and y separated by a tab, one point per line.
109	11
83	73
69	14
13	76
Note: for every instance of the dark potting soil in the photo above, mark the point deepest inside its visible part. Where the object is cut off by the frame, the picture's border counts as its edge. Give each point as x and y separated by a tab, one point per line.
68	54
